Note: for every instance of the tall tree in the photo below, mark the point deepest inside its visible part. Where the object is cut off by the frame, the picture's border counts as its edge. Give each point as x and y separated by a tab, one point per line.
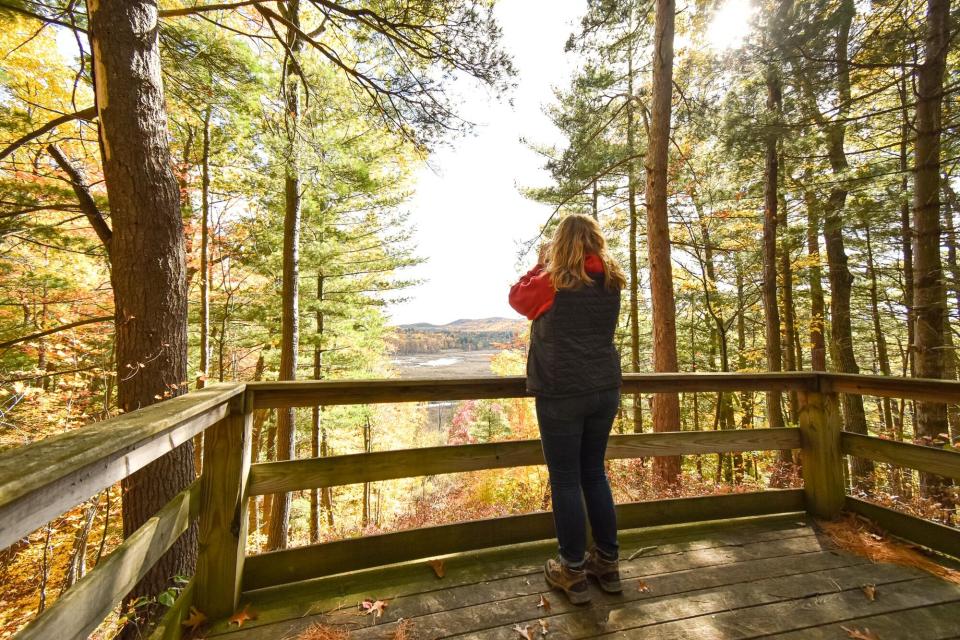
147	246
666	406
290	317
929	304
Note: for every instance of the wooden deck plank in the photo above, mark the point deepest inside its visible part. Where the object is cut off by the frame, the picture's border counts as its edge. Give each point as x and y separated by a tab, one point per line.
750	577
294	600
515	605
926	622
695	613
822	608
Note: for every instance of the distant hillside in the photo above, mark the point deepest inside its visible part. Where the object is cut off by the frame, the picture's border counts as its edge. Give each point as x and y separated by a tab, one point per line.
464	335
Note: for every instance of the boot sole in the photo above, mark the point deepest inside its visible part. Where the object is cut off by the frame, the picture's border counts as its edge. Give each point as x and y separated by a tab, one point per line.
573	596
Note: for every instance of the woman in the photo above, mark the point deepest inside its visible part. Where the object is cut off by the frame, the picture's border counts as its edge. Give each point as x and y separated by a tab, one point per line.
573	369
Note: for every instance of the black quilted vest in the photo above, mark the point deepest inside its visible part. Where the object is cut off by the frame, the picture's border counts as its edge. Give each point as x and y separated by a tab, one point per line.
571	345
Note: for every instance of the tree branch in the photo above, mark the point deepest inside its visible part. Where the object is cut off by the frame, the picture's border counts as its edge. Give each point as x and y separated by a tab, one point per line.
88	114
40	334
87	205
203	8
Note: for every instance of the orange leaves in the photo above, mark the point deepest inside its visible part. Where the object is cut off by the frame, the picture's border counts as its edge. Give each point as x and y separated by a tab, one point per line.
242	616
526	632
438	568
544	604
195	620
870	591
860	634
643	587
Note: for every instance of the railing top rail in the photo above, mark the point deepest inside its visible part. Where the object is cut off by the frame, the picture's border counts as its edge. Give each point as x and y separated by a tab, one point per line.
929	389
43	479
302	393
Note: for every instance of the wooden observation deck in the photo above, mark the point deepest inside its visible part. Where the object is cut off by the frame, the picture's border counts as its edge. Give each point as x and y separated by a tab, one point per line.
739	565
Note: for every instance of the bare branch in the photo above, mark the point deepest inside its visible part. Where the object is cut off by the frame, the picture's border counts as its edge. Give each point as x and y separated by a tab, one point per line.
90	113
87	205
47	332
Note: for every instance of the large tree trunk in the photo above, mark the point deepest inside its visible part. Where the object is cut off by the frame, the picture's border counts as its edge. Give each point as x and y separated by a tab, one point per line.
770	310
929	294
148	269
290	329
666	406
841	280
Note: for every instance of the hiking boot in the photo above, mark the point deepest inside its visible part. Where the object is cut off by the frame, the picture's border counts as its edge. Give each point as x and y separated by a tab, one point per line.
606	572
572	582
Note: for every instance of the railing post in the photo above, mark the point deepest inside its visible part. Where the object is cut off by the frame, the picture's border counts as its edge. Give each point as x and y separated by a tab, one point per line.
223	513
820	425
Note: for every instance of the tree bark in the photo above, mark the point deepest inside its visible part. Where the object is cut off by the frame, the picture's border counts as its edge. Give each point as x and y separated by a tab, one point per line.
818	344
771	311
204	252
929	294
666	406
147	246
634	268
290	330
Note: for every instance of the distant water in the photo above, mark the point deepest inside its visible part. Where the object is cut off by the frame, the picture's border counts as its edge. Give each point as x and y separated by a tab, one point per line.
445	364
441	362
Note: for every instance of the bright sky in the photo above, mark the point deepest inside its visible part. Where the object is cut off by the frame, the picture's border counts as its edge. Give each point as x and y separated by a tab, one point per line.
467	210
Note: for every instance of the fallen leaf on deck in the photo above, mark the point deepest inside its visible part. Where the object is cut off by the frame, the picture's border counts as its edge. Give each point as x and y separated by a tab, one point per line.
544	627
524	631
437	566
861	634
242	616
544	603
195	619
375	607
870	591
643	587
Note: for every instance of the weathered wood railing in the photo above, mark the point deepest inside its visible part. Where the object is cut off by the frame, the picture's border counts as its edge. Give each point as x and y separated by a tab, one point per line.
42	480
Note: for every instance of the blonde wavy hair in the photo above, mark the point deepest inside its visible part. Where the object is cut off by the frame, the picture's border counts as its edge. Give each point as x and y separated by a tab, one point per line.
576	236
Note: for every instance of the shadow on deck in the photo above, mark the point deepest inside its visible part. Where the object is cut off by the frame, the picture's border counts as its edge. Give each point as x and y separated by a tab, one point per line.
738	578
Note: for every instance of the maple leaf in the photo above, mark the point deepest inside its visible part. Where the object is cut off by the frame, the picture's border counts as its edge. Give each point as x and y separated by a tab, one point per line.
524	631
375	607
544	627
643	587
195	619
242	616
870	591
861	634
438	568
544	603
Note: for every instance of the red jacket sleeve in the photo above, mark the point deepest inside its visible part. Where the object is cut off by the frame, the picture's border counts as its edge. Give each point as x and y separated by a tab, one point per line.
533	294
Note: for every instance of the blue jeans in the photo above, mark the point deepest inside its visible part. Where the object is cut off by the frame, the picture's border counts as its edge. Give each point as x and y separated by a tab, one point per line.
574	432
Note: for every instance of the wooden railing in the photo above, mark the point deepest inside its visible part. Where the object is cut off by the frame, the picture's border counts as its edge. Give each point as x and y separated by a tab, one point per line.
42	480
